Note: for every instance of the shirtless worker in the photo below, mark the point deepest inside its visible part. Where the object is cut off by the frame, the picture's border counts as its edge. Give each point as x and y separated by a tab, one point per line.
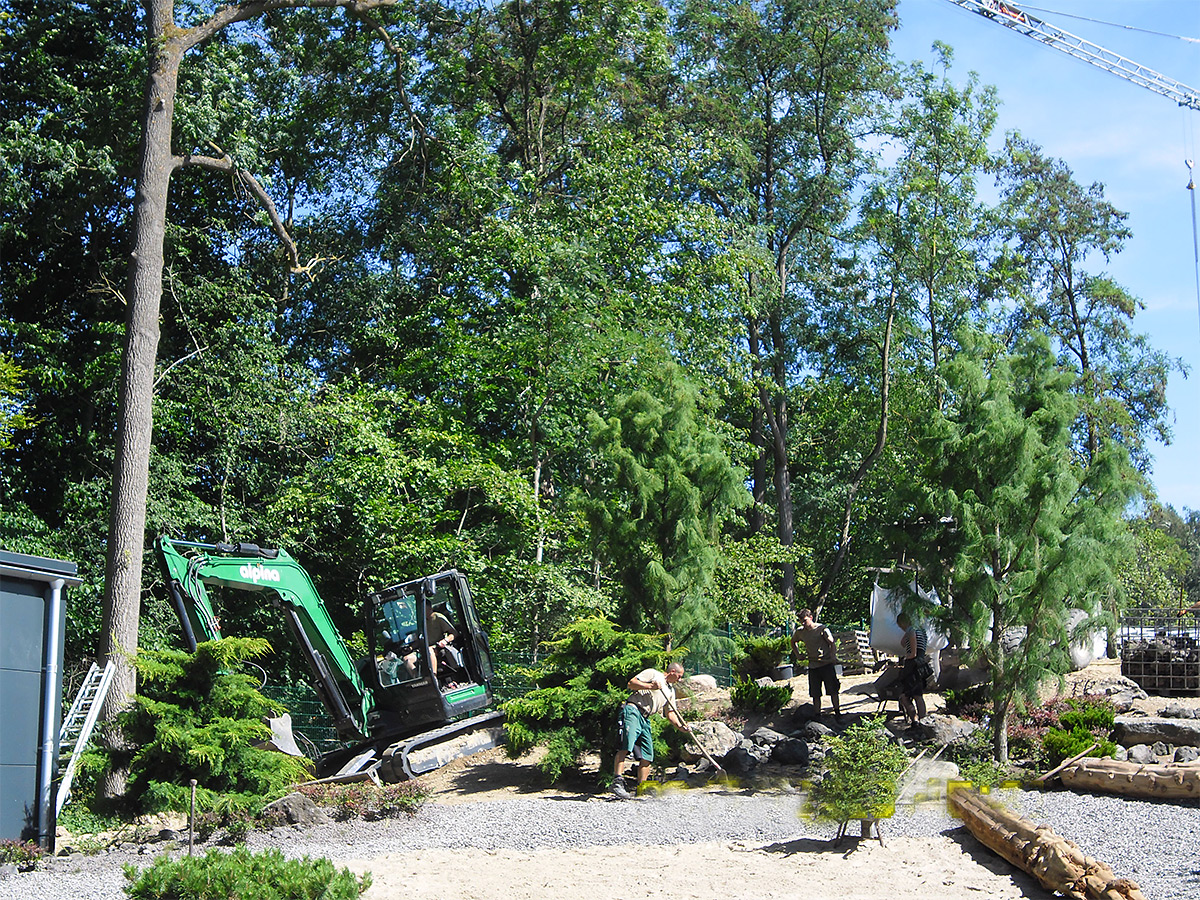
822	661
650	691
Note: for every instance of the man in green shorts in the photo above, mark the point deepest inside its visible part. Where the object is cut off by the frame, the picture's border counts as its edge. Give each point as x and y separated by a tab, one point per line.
651	689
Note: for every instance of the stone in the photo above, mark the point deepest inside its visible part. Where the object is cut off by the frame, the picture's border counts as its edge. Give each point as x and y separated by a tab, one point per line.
169	834
942	729
740	760
1120	754
814	731
767	736
700	684
297	809
1175	711
1129	730
1141	753
1122	702
716	737
1186	754
790	752
1158	748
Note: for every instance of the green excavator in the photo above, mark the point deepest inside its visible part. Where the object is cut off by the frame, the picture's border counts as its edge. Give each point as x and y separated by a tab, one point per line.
418	699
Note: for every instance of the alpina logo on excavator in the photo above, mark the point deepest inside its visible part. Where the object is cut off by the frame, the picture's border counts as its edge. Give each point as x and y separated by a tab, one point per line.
259	573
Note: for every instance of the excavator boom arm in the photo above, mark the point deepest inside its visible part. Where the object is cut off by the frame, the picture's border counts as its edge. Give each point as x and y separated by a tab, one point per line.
249	568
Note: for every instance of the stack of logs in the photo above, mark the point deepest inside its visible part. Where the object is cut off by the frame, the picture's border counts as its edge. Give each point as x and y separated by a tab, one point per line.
1054	861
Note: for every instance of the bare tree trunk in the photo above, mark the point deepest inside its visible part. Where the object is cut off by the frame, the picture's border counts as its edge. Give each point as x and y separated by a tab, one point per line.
885	373
127	520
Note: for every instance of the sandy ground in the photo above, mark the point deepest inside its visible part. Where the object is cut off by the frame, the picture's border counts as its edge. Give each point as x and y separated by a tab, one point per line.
858	870
952	868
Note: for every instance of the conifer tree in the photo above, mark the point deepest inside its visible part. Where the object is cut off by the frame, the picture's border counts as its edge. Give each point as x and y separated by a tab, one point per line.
1038	528
666	487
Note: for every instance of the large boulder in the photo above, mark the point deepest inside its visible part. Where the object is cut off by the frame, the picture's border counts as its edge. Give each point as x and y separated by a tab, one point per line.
700	684
790	752
716	737
940	729
297	809
1130	730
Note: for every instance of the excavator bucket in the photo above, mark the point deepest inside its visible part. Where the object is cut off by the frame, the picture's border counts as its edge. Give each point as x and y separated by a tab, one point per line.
281	738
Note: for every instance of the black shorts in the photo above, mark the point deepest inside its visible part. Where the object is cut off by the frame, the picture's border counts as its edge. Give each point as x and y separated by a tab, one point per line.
823	675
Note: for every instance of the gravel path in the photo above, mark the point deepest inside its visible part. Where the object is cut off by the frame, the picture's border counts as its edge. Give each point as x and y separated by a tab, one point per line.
1153	843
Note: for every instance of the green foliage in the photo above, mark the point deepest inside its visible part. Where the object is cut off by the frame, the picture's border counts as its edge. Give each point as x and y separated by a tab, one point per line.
368	801
665	490
580	686
975	761
757	657
1037	530
25	855
195	718
863	766
1062	744
12	415
1084	721
79	818
1092	713
764	699
219	875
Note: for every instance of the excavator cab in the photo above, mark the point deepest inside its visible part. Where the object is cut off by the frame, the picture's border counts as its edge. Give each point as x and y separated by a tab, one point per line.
430	658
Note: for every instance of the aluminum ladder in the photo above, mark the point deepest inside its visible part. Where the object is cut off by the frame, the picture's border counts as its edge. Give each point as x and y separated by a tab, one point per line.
77	727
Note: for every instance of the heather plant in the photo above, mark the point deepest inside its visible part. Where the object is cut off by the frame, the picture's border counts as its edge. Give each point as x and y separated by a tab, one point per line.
25	855
219	875
368	801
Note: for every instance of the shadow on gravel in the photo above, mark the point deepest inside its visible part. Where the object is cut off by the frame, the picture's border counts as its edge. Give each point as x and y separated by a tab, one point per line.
513	776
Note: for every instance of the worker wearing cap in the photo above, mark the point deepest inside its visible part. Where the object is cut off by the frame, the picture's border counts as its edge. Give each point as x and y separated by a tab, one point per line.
652	693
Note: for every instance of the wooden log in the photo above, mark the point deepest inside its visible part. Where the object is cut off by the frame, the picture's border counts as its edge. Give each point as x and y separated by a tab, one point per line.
1130	779
1057	864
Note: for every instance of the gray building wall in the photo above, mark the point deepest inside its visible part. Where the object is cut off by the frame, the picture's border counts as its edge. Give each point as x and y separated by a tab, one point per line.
29	688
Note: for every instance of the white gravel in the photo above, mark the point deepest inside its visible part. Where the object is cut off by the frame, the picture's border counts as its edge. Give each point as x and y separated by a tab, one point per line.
1153	843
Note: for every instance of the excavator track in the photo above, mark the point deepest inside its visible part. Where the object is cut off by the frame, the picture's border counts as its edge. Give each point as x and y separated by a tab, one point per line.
413	756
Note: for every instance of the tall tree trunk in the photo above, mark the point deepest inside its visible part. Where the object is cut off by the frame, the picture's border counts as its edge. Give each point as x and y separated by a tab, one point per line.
127	519
868	463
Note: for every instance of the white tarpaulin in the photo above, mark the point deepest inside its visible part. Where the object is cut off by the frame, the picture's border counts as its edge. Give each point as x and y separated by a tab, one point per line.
886	634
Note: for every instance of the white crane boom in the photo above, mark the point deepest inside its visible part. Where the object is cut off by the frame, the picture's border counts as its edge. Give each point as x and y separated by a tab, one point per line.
1012	16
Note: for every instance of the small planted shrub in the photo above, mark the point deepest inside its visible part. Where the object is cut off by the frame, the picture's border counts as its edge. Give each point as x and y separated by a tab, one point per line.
220	875
1061	744
764	699
861	781
758	657
367	801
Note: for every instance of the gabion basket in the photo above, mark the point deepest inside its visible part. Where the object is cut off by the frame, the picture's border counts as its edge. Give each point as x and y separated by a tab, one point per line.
1160	650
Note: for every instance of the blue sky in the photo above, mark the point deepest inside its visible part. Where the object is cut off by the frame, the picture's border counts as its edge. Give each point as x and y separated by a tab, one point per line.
1109	130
